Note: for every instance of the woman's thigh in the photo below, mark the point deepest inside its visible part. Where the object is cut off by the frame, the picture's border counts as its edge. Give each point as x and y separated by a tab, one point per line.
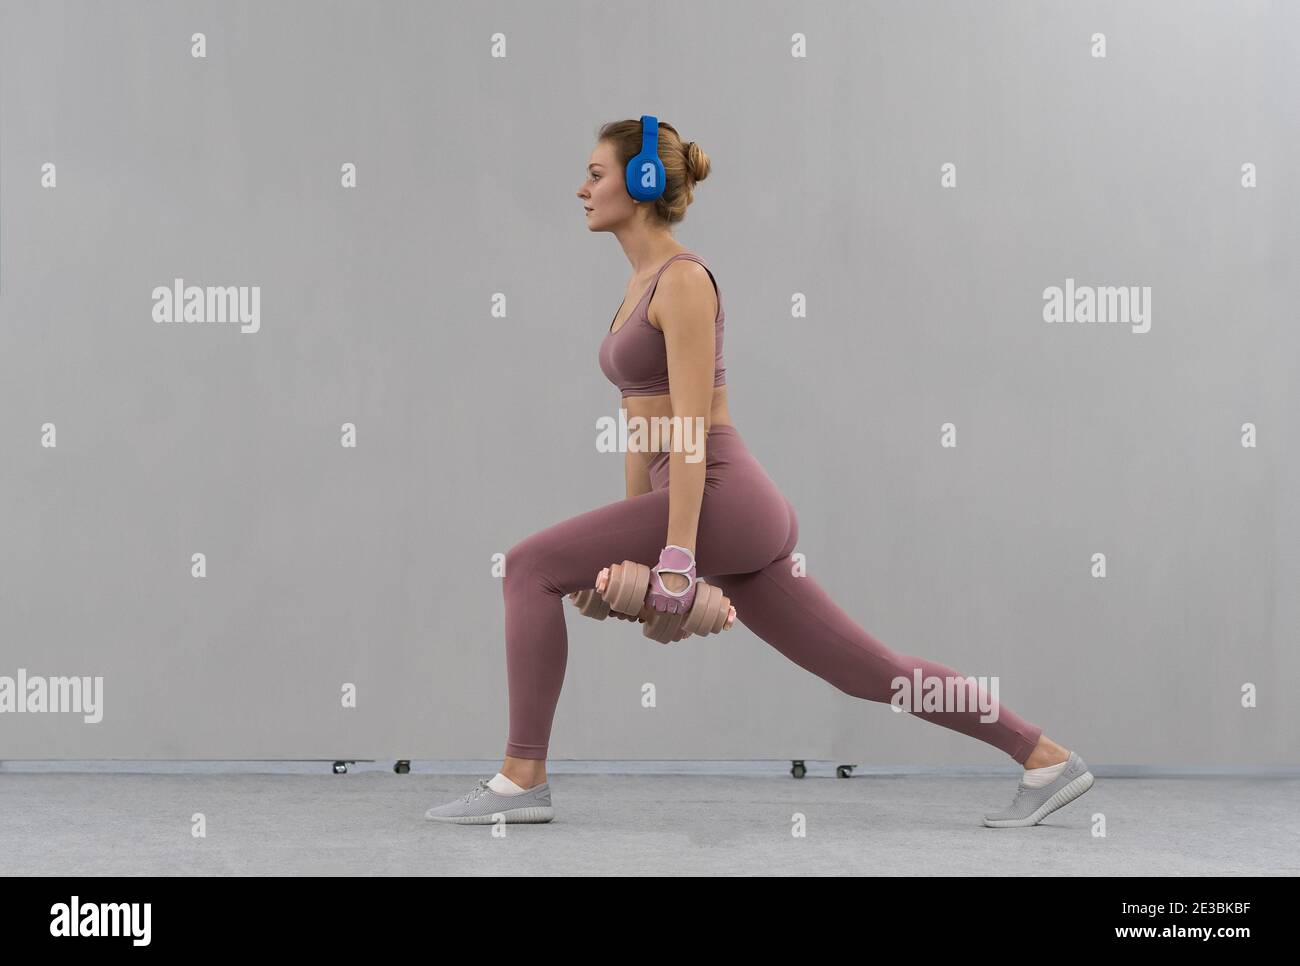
745	523
566	556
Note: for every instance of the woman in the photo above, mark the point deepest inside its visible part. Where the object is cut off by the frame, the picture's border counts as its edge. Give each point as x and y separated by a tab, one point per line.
722	516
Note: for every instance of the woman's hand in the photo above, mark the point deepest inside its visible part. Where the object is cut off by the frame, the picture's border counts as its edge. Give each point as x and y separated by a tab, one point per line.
674	562
675	582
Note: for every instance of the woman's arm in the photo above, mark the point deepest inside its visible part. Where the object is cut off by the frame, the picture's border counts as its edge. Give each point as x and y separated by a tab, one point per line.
686	312
636	470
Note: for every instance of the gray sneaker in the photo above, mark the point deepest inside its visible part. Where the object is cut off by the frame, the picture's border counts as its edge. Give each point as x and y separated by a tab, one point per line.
1031	805
482	805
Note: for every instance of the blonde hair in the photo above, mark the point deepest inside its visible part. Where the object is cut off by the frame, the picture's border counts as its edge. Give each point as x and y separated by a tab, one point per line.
685	164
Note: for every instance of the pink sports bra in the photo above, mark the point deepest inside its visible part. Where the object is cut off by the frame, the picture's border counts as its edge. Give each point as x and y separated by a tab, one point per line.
635	358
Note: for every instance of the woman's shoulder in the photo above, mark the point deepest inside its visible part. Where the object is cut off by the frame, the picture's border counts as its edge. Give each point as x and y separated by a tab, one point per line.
684	282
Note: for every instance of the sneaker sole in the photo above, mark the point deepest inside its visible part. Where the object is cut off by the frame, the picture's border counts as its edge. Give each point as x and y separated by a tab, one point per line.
534	813
1066	795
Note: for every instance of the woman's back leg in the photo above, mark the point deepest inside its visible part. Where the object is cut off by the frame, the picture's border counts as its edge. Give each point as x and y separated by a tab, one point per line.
796	616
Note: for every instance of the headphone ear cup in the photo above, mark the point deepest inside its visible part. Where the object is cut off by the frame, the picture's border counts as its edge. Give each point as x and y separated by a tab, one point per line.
645	172
645	178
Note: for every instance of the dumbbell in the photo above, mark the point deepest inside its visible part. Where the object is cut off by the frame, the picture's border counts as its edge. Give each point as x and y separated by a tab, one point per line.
621	590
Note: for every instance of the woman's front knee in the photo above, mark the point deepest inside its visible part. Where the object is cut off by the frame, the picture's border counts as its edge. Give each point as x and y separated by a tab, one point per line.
524	558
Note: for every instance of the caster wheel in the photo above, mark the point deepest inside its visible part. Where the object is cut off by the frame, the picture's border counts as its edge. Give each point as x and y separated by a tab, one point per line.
844	771
797	769
403	767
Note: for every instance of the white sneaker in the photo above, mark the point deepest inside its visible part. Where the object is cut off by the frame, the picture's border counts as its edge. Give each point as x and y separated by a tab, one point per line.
483	805
1032	805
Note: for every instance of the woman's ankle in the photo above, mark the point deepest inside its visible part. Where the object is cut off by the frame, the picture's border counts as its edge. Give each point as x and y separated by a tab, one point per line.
524	772
1046	752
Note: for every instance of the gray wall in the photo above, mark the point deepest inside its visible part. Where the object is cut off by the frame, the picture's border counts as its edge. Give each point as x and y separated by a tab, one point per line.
372	565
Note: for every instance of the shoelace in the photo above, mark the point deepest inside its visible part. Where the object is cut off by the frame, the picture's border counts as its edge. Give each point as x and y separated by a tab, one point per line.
480	789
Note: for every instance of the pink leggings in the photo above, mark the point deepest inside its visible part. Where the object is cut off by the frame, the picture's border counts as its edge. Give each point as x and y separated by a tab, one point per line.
747	531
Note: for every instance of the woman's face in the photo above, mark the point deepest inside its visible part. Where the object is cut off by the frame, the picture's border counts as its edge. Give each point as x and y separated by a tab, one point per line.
603	193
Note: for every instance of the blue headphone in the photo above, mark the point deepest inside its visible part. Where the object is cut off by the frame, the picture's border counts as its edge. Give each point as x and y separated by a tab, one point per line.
645	172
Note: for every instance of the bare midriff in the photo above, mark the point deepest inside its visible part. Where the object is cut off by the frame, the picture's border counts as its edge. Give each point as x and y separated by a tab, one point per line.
651	407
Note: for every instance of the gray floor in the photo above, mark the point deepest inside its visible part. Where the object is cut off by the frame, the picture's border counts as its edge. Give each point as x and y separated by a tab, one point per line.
135	818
